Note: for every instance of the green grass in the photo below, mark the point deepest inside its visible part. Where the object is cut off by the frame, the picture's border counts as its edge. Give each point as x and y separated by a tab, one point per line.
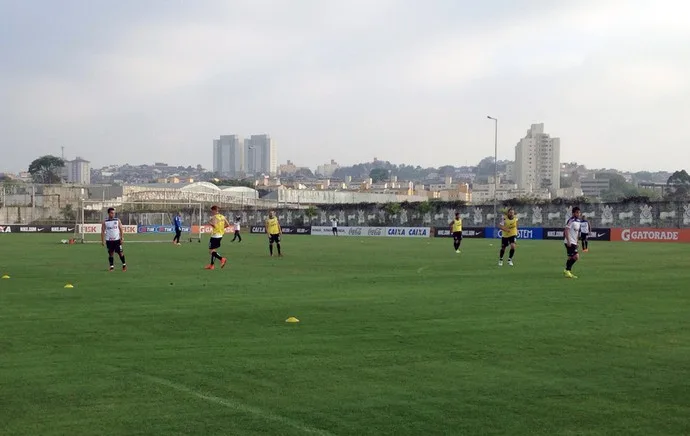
397	337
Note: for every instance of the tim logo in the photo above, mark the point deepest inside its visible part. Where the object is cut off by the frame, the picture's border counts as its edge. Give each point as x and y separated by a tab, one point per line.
5	229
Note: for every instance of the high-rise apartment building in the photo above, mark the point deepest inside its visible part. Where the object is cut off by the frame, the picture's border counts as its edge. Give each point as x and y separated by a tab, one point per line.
537	161
229	156
78	171
261	157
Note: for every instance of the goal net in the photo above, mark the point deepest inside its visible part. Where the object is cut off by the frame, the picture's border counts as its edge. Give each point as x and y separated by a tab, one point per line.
150	222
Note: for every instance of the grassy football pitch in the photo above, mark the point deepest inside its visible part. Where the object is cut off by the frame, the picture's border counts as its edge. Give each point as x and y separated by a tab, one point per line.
397	337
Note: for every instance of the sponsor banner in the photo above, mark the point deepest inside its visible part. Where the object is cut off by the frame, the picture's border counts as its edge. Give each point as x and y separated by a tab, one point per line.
393	232
523	233
95	229
287	230
594	234
467	232
160	229
650	235
208	229
16	228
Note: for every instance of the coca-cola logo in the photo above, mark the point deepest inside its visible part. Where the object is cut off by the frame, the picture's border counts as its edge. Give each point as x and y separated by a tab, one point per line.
376	231
354	231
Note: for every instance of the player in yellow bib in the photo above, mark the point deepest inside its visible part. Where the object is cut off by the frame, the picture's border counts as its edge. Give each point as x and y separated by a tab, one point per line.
218	224
273	230
456	232
509	227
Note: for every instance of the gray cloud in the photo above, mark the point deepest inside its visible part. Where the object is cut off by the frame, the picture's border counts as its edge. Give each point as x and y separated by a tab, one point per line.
403	80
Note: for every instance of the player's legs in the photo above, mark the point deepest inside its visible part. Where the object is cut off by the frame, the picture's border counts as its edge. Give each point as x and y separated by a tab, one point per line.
573	256
111	257
213	247
585	242
457	241
511	253
504	244
239	237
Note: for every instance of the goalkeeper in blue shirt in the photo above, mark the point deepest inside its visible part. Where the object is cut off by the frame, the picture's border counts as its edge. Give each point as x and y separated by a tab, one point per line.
178	228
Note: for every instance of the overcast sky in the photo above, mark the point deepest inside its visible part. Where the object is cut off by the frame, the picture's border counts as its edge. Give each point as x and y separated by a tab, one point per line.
409	81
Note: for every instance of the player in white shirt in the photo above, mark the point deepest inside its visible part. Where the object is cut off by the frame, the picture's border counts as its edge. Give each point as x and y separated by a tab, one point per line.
112	238
584	233
571	234
237	236
334	224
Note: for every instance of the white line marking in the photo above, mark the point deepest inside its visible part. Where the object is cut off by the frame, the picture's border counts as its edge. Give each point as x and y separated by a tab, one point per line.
230	404
419	270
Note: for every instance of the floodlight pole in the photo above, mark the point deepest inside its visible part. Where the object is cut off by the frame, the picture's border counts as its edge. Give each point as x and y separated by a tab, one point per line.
495	170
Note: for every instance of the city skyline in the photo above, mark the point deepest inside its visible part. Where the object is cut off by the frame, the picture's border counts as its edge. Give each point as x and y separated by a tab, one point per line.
409	80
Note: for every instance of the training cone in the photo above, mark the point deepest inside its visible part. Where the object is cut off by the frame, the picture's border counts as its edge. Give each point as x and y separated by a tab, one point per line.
292	319
68	286
5	276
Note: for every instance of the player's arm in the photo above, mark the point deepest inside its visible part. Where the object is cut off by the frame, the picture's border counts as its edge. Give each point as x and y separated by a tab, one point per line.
502	225
122	231
227	223
280	229
103	233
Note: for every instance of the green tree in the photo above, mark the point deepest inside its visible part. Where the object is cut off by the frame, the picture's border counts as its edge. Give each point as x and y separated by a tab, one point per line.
378	175
678	185
392	208
310	212
47	169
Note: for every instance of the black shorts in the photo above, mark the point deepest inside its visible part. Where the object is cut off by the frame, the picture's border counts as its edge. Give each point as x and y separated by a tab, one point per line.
335	229
178	232
457	236
114	246
583	236
507	241
571	250
214	243
274	238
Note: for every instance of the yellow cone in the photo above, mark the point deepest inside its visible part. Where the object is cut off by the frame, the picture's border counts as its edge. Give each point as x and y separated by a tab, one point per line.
68	286
5	276
292	319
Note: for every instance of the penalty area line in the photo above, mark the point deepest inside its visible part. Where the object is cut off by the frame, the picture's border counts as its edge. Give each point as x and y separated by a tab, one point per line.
235	405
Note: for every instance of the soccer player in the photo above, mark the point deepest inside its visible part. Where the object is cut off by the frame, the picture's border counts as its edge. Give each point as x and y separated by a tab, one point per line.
456	231
237	230
334	223
584	233
274	231
572	229
112	238
218	225
178	228
509	227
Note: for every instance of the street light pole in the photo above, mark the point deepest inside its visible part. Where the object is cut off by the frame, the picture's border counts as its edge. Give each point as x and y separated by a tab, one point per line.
495	168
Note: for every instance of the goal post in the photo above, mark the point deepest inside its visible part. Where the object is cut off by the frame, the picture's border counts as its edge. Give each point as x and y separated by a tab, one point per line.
151	222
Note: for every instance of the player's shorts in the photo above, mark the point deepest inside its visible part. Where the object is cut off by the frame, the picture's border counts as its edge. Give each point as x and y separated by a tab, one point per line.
335	229
584	236
507	241
114	246
457	236
274	238
214	243
571	250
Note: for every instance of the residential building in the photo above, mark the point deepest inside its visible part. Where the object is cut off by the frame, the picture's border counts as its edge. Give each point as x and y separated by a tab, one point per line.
287	169
593	187
261	157
228	156
537	161
78	171
327	170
